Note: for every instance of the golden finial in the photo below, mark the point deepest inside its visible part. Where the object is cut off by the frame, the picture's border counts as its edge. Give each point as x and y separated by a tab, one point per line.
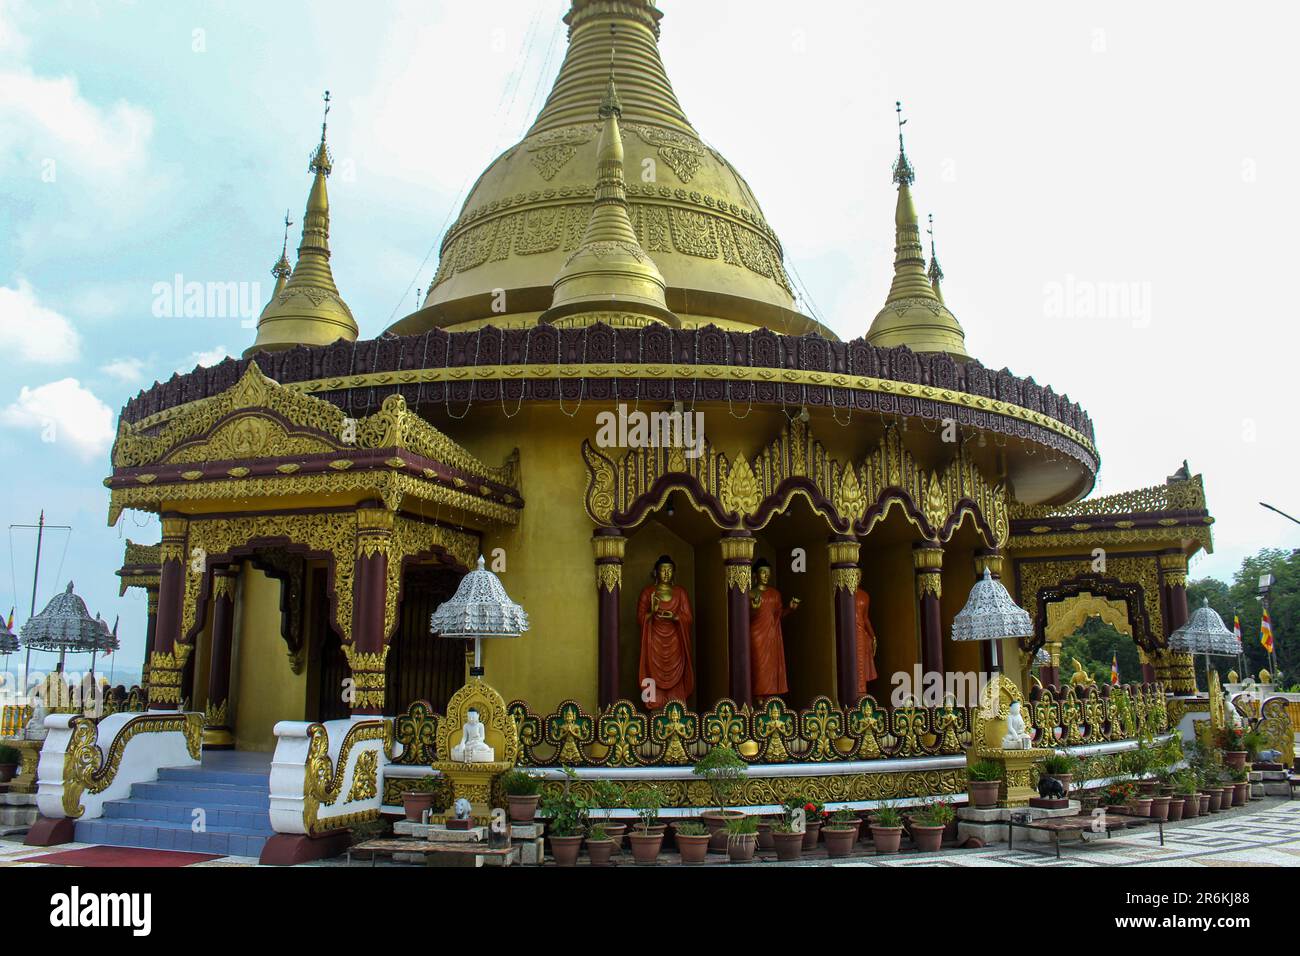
611	104
935	273
321	161
903	172
281	270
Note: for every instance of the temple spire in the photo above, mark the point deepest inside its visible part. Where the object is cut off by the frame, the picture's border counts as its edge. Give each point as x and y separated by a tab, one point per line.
914	314
282	270
609	278
307	309
935	272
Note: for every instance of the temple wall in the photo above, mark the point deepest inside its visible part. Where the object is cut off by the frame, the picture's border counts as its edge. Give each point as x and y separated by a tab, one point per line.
887	576
264	688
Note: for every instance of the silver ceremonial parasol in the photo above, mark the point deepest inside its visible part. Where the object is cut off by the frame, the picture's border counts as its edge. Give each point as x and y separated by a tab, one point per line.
1205	633
480	608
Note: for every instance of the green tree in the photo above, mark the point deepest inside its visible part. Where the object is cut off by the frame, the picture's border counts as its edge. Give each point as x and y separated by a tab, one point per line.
1093	644
1241	598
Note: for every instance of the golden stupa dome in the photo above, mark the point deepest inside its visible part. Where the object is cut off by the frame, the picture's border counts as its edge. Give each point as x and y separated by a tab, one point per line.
305	308
692	212
914	313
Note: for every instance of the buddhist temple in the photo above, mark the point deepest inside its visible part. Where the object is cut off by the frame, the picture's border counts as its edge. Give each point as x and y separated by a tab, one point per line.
727	526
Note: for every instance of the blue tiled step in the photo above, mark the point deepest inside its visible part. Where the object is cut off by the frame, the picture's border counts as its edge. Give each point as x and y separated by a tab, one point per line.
209	794
162	835
233	792
219	815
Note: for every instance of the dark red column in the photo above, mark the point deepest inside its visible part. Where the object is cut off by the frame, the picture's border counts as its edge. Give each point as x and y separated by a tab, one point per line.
368	651
845	578
168	655
608	546
217	724
738	561
927	561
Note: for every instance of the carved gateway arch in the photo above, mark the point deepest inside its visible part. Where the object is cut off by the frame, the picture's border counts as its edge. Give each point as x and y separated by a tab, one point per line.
744	494
1130	582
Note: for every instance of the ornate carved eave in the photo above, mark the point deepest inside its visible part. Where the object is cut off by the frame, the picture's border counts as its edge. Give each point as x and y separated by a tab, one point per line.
1172	515
746	493
141	566
261	440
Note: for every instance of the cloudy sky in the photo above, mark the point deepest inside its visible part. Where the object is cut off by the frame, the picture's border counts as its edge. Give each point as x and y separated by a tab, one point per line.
1113	186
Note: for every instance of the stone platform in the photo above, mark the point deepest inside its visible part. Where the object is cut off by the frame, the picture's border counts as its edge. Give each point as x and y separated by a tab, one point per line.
462	840
17	812
990	825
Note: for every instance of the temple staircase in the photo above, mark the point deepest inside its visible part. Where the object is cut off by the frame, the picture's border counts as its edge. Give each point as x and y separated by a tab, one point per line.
231	788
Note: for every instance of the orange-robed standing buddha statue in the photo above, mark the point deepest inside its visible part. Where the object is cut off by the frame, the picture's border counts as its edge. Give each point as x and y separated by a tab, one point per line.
766	642
866	640
664	611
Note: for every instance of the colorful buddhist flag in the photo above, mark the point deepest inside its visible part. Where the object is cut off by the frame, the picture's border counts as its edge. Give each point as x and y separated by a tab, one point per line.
1266	632
1114	670
1236	628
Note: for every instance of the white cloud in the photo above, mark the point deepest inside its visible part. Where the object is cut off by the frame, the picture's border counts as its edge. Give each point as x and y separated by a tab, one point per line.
33	332
64	413
125	369
204	359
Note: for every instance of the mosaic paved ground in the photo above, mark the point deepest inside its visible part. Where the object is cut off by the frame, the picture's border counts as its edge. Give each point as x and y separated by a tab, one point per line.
1266	833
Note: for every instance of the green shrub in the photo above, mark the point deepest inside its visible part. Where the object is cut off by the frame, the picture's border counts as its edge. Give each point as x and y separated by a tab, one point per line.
723	770
887	815
1060	763
842	819
984	771
691	828
597	833
517	783
646	801
565	809
934	813
739	826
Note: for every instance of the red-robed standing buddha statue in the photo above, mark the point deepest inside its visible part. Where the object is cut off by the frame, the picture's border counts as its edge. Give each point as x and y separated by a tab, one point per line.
866	640
766	642
664	610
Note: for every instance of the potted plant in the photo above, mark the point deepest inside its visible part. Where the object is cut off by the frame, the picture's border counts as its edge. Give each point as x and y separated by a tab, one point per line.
840	832
566	814
1142	763
1232	742
1254	741
1240	786
787	841
692	841
1061	766
1122	793
886	828
742	839
646	841
928	825
600	846
416	801
723	770
523	794
1185	799
814	812
985	783
10	760
610	796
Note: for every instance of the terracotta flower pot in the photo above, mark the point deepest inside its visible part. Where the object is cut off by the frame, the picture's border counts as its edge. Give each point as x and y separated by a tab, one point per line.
523	809
1216	799
415	803
1204	799
741	847
716	821
1066	779
927	839
812	828
599	851
565	849
765	841
1148	788
886	839
1191	806
615	832
1160	808
840	839
1234	759
789	846
694	849
1140	806
1175	809
645	846
1241	793
984	793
